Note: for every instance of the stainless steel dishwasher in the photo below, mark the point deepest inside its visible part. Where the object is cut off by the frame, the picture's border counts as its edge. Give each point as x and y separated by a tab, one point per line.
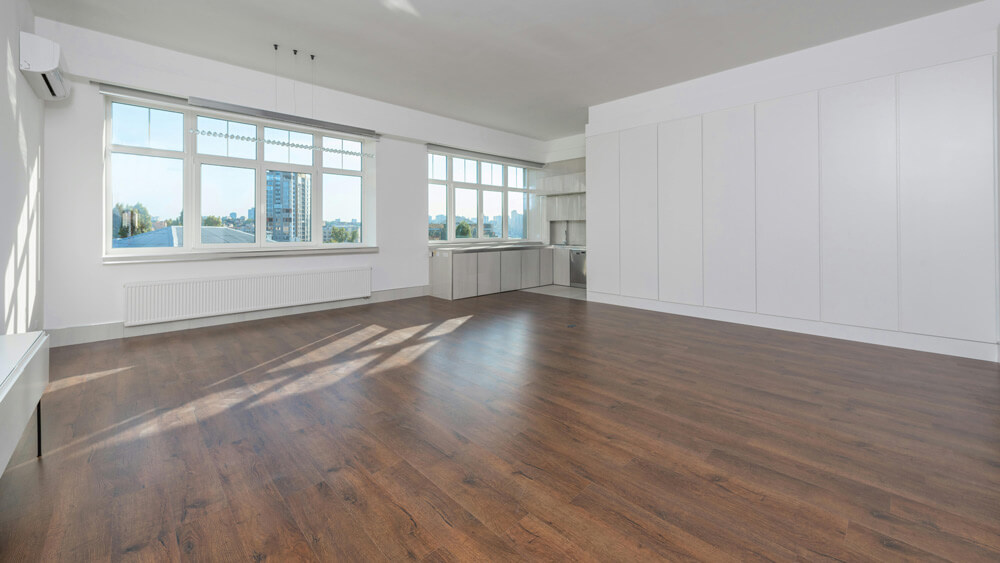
578	268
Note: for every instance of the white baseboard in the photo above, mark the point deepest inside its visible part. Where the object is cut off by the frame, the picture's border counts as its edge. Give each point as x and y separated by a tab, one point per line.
935	344
109	331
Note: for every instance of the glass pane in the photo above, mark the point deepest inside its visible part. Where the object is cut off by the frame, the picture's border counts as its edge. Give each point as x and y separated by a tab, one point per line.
515	177
301	151
492	214
210	143
139	126
466	213
437	212
352	161
228	209
437	167
289	206
464	170
333	159
515	211
341	208
223	138
147	194
277	149
492	174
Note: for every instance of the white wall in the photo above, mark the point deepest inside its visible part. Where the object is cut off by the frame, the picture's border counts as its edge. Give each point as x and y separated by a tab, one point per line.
83	291
21	120
847	190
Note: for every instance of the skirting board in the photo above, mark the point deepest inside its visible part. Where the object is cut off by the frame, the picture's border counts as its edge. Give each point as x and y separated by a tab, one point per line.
934	344
109	331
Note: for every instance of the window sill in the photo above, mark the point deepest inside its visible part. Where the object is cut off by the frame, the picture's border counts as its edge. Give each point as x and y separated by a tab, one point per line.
199	255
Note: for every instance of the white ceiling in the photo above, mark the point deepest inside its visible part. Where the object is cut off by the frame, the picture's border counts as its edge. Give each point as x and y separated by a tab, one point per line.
525	66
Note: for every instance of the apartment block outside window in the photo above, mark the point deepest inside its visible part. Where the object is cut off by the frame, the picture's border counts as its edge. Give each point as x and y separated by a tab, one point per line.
249	184
472	200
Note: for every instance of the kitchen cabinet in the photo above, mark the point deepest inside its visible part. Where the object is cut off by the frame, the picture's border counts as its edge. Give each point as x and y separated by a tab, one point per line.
545	266
510	270
530	268
489	272
465	272
560	266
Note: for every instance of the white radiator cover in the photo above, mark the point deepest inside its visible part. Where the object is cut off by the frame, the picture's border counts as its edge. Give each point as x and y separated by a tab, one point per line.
173	300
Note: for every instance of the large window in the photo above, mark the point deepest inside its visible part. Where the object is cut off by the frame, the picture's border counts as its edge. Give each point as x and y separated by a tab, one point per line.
249	184
474	200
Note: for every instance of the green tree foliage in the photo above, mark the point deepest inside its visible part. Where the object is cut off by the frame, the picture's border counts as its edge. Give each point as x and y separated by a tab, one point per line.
211	221
463	229
139	220
179	221
342	234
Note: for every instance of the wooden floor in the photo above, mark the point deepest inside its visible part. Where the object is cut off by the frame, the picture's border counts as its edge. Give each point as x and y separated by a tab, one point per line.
510	427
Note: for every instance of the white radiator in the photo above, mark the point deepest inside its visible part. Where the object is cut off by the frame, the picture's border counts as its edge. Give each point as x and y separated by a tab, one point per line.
163	301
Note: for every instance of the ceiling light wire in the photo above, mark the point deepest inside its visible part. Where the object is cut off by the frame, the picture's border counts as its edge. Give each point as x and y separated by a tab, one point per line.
275	77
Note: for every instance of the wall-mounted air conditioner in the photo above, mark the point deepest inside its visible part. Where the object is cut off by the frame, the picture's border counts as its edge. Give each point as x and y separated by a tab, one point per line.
40	62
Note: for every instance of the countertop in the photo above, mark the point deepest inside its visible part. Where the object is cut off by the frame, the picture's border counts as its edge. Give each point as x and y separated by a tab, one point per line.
460	248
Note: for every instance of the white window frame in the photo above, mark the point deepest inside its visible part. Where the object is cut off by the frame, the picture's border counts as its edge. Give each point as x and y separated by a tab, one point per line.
193	248
450	186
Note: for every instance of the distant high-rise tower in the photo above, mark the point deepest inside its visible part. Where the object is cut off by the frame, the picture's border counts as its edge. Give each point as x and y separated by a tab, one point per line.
289	205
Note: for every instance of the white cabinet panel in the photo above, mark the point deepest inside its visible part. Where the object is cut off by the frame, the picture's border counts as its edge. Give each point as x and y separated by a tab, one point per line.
545	266
530	268
788	207
946	207
680	211
465	275
858	204
489	272
560	266
510	270
638	162
603	267
728	214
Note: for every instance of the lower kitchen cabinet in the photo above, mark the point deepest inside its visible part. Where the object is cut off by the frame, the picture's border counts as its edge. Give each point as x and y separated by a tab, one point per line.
510	270
489	272
465	276
530	268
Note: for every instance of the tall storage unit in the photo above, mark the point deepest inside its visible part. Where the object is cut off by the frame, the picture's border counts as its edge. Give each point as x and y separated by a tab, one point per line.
728	214
638	188
788	207
858	203
603	235
947	206
679	211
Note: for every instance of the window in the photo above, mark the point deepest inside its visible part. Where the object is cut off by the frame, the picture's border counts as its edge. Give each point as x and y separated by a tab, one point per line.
228	205
250	185
147	199
289	206
466	213
492	214
437	211
464	170
341	208
515	209
492	174
482	200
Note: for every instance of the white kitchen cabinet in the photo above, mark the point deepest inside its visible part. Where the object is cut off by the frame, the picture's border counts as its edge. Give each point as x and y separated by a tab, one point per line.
639	262
510	270
728	212
788	207
465	275
858	241
530	268
947	206
560	266
603	236
680	211
488	272
545	266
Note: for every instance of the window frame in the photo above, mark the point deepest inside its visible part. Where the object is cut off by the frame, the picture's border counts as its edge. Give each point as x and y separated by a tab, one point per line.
193	247
451	184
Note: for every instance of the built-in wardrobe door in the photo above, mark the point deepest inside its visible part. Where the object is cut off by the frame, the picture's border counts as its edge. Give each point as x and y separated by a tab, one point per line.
603	273
947	207
788	207
858	204
680	211
639	263
728	214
